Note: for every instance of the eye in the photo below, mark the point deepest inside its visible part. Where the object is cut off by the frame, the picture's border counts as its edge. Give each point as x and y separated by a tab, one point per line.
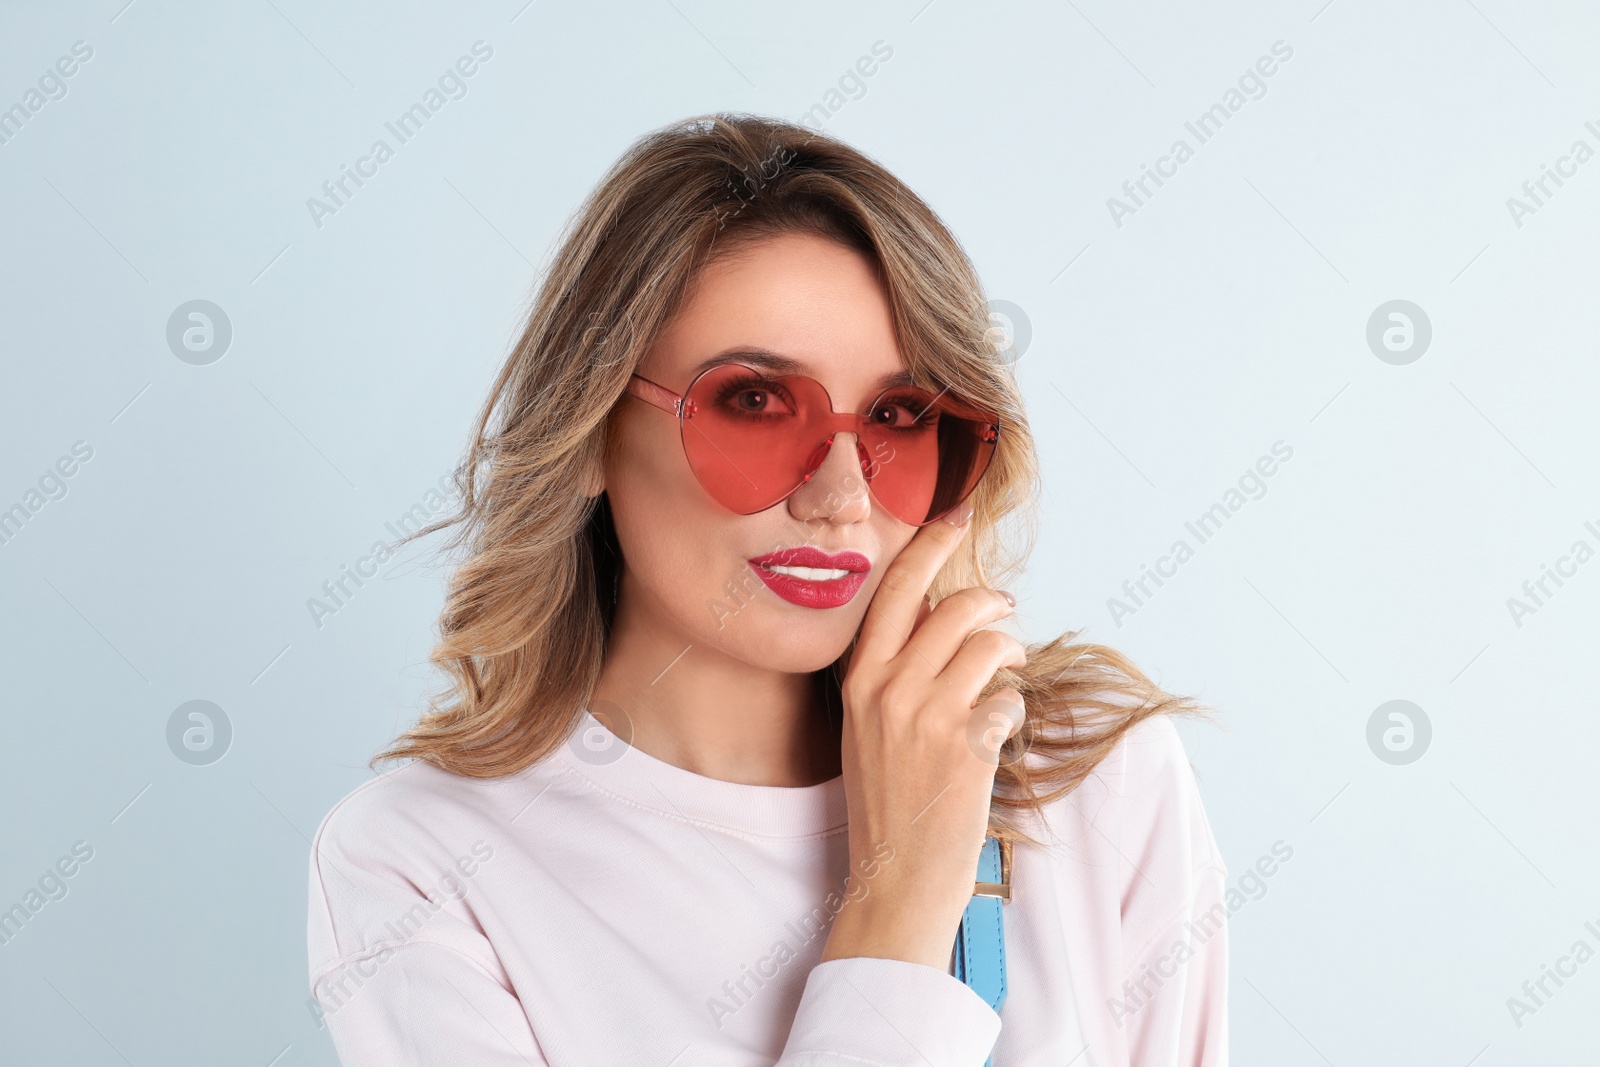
749	395
905	411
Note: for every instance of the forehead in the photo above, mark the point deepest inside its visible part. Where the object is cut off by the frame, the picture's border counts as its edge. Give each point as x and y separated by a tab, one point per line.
798	297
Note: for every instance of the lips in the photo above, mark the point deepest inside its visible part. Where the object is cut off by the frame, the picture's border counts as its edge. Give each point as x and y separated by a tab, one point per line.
812	578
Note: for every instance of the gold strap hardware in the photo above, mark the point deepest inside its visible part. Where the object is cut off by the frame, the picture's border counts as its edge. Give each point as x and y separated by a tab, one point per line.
1002	888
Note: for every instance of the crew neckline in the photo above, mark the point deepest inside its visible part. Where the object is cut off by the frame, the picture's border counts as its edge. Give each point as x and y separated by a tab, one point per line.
637	777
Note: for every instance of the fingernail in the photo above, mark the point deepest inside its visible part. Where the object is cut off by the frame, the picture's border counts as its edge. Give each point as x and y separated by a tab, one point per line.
1009	598
959	514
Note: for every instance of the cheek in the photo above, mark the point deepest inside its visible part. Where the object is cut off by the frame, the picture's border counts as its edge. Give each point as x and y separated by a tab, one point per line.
675	540
894	536
646	463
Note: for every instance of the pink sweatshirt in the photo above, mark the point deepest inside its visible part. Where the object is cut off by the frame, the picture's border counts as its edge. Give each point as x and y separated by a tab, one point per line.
634	913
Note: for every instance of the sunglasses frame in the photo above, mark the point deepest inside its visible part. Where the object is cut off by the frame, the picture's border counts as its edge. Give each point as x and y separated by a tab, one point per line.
682	408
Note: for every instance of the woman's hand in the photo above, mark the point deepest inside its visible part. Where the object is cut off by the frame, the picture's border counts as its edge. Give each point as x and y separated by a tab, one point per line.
916	779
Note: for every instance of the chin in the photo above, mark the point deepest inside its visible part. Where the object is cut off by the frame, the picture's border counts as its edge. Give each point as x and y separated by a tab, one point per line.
780	642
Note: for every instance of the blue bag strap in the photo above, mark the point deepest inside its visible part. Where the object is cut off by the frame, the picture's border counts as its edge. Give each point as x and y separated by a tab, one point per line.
980	952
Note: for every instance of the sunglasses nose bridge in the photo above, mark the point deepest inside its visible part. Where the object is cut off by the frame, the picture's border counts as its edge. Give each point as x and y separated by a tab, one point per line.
830	424
835	491
819	455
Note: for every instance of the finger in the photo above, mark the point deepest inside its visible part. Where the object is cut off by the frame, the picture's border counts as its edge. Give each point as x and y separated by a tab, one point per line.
985	652
993	722
893	612
923	611
1007	702
936	640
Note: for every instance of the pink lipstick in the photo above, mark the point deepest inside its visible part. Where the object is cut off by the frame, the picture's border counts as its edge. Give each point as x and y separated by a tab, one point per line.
812	578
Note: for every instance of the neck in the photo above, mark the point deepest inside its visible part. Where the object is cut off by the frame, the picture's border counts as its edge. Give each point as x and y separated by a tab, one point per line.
696	708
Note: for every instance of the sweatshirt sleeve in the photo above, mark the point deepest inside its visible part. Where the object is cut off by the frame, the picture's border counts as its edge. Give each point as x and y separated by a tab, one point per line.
1173	1000
400	976
889	1013
404	978
423	1004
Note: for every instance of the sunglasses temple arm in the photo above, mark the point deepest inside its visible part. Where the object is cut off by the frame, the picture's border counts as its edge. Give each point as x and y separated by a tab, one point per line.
651	393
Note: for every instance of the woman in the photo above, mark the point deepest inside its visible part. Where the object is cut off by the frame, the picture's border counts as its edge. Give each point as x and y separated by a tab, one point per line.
727	722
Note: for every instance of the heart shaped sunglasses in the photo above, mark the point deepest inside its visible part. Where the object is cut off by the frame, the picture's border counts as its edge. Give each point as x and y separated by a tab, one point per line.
753	439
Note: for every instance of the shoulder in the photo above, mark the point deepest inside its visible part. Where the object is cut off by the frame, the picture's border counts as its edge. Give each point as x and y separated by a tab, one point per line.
1151	771
1138	823
419	819
404	846
1143	885
1161	798
395	797
394	815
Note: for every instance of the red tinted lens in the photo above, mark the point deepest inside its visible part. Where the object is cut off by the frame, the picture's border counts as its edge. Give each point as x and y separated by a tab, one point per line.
927	452
749	437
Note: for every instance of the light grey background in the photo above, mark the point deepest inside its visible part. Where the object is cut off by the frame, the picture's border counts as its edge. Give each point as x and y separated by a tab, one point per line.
1168	353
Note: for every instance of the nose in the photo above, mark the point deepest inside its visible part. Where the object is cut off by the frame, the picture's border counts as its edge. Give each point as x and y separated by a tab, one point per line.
837	490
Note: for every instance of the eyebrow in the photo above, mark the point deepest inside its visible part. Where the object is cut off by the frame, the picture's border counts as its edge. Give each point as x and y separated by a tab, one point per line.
768	360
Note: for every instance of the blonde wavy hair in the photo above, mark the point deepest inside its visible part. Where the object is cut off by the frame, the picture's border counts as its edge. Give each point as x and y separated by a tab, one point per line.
529	607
